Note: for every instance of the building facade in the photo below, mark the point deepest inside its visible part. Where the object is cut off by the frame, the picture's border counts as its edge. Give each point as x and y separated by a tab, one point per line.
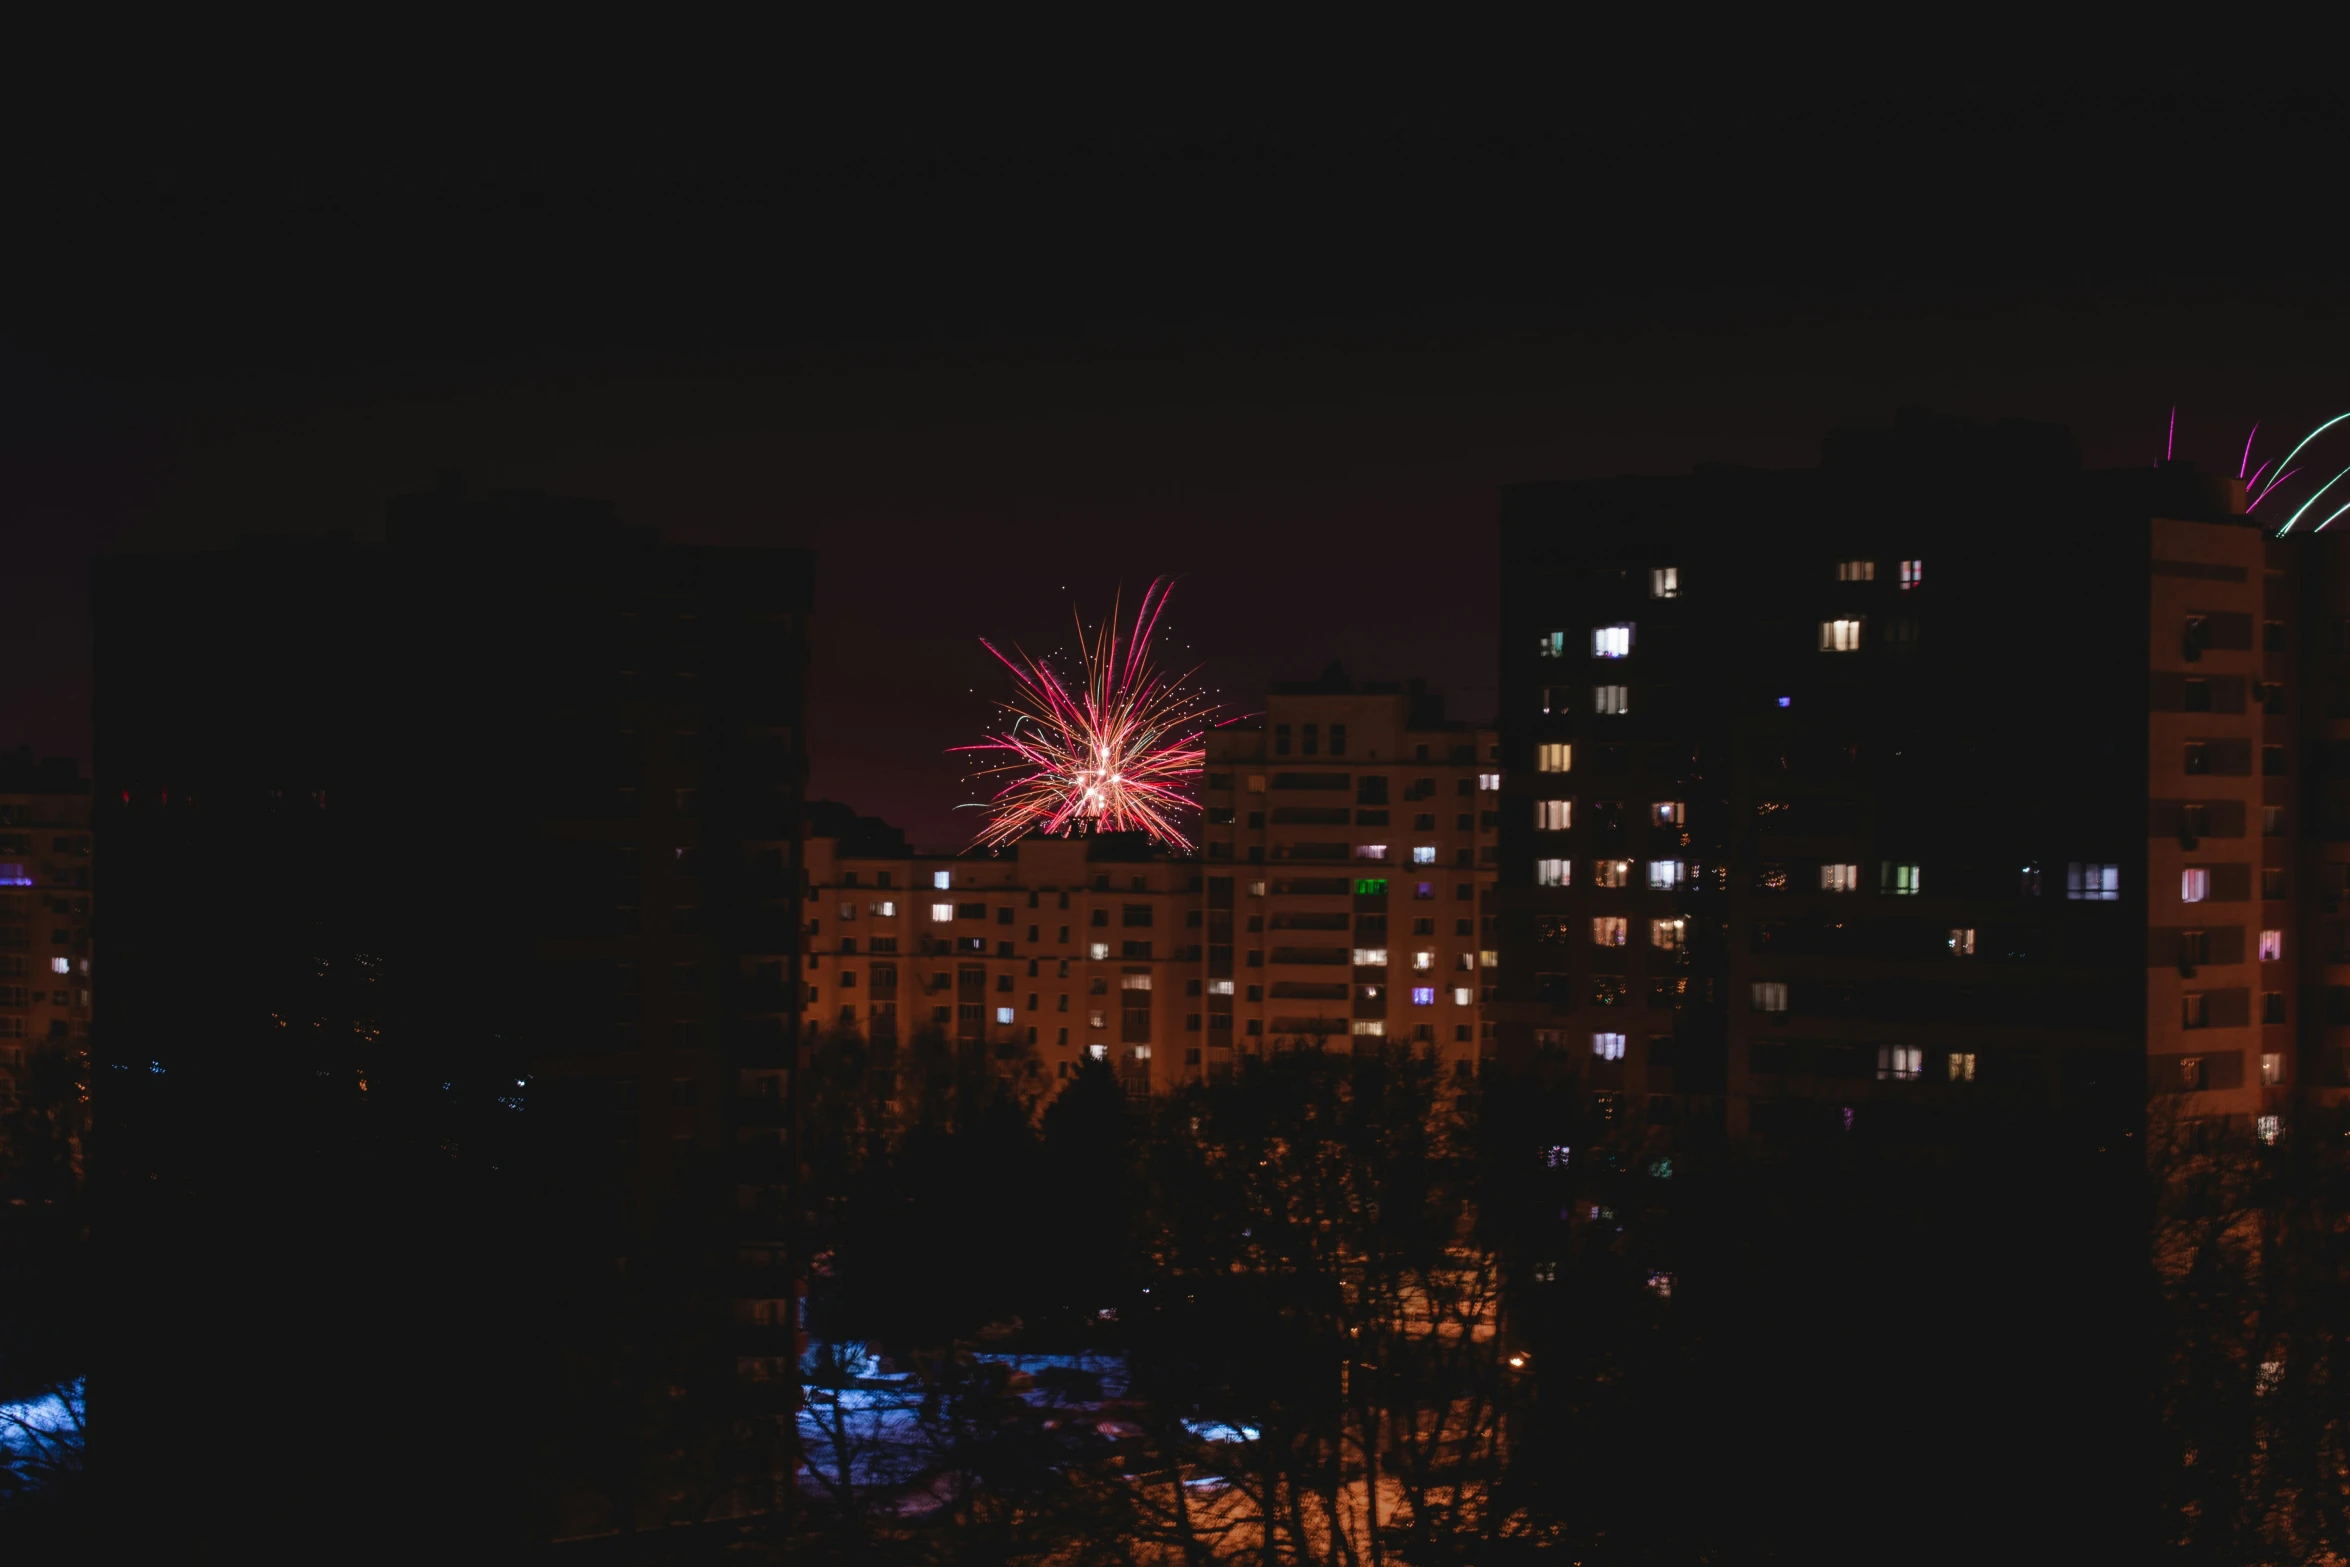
457	890
1078	947
45	892
1352	848
1944	776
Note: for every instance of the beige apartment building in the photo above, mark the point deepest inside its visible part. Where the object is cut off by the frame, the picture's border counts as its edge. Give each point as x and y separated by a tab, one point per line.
44	911
1351	844
1076	946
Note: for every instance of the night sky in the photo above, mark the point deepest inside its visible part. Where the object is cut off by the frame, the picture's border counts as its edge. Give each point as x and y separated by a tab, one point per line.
990	383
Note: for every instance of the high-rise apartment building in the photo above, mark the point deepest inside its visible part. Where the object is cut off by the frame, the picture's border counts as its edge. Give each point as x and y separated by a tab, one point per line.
1944	775
1079	947
45	978
1352	846
453	880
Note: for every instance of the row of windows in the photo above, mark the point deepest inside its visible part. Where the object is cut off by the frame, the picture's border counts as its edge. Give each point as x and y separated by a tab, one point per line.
1559	815
1663	875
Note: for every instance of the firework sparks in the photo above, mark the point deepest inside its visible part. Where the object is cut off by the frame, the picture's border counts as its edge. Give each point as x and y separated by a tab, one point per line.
2274	474
1111	755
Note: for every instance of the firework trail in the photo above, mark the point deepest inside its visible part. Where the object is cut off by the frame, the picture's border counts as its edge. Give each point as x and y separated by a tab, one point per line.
1111	755
2270	478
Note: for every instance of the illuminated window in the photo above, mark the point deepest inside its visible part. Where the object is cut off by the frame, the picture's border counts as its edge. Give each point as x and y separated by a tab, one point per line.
1553	873
1003	1014
1553	815
1611	699
886	909
1839	878
2088	883
2194	884
1375	1027
1423	891
1902	881
2272	1069
1256	889
1256	783
1669	813
2272	946
942	913
1098	1052
1095	1018
1962	1066
1098	951
2268	1128
1555	757
1488	958
1665	875
1462	995
1913	572
1962	942
942	880
1134	982
1900	1063
1553	644
1839	636
1370	851
1608	1047
1608	930
1664	582
60	966
1423	961
1611	641
1611	873
1423	995
1370	957
1668	935
1423	854
1370	886
1489	783
1467	960
1770	995
1856	571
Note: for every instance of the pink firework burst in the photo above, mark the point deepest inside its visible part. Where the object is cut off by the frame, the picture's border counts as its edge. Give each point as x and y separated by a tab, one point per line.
1112	755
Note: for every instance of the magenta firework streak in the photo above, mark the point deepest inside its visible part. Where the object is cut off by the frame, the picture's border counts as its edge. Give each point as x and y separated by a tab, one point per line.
1112	756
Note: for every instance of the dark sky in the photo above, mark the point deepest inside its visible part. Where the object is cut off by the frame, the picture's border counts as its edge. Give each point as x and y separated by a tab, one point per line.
992	379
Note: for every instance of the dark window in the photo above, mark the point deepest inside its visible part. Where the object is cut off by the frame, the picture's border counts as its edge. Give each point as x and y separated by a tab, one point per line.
1003	916
2198	757
970	911
2272	761
1313	740
1101	916
1135	914
1338	739
2272	884
2198	695
1280	739
1135	949
2272	1006
2272	636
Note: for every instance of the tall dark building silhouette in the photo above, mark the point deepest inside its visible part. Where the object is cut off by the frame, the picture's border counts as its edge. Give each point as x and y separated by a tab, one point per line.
1946	775
445	1117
